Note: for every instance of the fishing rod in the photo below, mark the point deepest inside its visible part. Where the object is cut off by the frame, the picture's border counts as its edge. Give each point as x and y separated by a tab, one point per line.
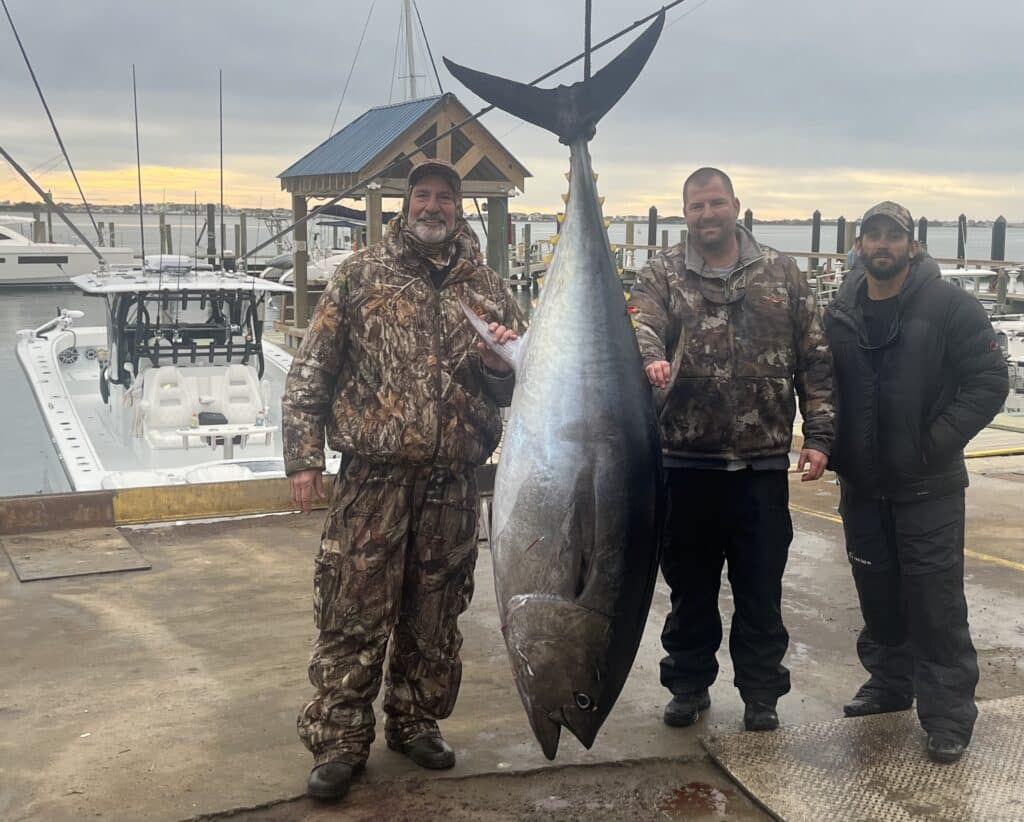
395	163
53	124
60	212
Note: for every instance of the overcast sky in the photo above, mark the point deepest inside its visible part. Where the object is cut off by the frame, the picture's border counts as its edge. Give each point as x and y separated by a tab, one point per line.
807	103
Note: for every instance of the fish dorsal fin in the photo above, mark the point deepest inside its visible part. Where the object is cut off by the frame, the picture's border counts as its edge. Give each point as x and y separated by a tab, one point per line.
572	111
510	352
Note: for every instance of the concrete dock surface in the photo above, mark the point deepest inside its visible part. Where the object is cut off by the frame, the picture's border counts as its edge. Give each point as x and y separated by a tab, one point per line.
171	693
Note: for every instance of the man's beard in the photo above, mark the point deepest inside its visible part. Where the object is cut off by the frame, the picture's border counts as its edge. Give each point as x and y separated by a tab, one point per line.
431	233
886	268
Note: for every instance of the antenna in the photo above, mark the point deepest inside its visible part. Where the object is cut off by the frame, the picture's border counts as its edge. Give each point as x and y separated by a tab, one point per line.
223	233
138	166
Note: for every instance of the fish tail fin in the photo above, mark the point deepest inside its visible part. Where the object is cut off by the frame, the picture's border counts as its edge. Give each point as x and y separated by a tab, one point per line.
568	111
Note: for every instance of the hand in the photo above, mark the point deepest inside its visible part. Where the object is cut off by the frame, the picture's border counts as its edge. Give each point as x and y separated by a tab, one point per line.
500	335
304	485
815	463
658	373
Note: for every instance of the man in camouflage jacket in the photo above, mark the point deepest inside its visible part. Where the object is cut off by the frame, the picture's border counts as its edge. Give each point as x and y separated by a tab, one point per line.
391	369
727	330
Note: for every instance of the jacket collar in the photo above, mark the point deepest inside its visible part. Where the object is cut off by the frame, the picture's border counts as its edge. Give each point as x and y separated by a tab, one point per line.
732	288
750	253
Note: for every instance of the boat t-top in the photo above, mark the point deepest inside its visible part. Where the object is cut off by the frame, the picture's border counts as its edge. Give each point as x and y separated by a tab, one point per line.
178	387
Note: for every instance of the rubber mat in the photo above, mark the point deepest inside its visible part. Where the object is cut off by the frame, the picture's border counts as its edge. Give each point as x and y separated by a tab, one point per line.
56	554
875	768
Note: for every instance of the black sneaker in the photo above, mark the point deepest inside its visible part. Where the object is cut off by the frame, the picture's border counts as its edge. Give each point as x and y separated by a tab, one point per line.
684	709
760	716
944	748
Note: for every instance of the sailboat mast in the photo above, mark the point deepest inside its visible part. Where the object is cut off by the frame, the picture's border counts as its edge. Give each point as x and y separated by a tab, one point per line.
410	55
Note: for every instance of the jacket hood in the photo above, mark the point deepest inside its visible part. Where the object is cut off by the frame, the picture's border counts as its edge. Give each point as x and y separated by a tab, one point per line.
462	244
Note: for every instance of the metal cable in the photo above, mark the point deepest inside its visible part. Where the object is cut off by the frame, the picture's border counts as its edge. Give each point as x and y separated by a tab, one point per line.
56	133
366	25
430	54
348	191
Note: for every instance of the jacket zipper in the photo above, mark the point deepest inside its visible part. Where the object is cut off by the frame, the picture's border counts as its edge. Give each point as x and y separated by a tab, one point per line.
437	372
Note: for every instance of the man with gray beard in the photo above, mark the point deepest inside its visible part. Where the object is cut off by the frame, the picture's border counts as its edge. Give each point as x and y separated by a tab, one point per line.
918	372
391	368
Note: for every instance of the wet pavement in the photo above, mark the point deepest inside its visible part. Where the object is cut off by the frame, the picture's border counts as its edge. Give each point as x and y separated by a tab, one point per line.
172	693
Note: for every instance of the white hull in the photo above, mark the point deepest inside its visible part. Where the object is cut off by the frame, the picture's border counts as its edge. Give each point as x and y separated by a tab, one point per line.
105	445
23	262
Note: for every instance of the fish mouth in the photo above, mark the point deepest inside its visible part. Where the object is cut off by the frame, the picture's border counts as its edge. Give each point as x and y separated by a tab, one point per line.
546	730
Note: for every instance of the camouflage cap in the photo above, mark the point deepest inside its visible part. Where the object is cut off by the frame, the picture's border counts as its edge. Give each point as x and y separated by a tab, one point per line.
436	168
894	211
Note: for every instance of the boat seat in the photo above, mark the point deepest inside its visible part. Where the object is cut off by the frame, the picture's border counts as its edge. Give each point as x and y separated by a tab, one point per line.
167	405
240	399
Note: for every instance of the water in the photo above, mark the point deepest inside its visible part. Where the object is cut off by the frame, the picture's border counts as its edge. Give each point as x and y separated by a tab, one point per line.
185	227
30	464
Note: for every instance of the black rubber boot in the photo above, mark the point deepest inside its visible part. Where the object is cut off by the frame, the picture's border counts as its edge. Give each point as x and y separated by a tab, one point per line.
329	782
867	703
760	716
944	748
427	751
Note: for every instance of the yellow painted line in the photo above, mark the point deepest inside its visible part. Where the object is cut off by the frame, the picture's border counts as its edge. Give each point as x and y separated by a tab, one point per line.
978	555
995	452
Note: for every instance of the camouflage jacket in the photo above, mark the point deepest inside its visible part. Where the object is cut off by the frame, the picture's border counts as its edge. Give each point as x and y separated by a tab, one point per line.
389	366
738	346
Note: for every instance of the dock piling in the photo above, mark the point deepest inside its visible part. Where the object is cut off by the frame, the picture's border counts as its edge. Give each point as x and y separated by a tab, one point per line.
652	229
998	239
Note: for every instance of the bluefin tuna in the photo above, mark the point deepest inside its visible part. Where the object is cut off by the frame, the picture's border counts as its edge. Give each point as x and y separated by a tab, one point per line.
574	535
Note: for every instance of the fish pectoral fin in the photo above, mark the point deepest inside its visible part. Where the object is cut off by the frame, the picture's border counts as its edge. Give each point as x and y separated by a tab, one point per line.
511	352
580	530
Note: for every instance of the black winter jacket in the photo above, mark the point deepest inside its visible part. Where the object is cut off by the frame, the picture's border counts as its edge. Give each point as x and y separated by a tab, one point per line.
941	378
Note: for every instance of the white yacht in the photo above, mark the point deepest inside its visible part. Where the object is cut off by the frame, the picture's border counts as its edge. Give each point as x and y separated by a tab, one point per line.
1010	335
23	262
178	387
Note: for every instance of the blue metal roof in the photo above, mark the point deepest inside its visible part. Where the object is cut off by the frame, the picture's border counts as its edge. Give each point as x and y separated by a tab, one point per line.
361	140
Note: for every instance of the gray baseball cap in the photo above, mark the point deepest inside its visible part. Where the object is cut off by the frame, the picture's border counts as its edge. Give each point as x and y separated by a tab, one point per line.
894	211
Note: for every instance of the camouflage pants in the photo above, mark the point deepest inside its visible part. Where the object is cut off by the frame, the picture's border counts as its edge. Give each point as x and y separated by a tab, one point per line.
396	561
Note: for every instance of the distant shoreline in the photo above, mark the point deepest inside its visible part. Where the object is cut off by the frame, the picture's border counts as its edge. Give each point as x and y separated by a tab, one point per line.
517	217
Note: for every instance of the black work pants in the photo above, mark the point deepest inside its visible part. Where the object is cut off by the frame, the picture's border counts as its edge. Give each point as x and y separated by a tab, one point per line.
908	566
714	517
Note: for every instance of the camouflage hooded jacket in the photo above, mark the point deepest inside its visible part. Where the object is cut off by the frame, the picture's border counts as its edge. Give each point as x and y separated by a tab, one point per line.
389	366
737	346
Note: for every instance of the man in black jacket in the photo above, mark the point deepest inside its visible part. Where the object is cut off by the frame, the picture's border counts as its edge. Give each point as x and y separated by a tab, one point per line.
918	373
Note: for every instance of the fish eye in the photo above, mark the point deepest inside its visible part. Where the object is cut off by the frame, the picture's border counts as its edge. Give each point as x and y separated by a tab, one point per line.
583	701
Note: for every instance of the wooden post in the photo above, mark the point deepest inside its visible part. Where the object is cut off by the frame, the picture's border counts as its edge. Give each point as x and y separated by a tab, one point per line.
244	236
238	239
110	230
299	258
682	236
812	264
334	236
497	235
849	236
163	234
211	234
526	250
922	232
664	239
748	219
49	217
167	243
652	229
374	215
961	239
998	239
840	235
38	232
